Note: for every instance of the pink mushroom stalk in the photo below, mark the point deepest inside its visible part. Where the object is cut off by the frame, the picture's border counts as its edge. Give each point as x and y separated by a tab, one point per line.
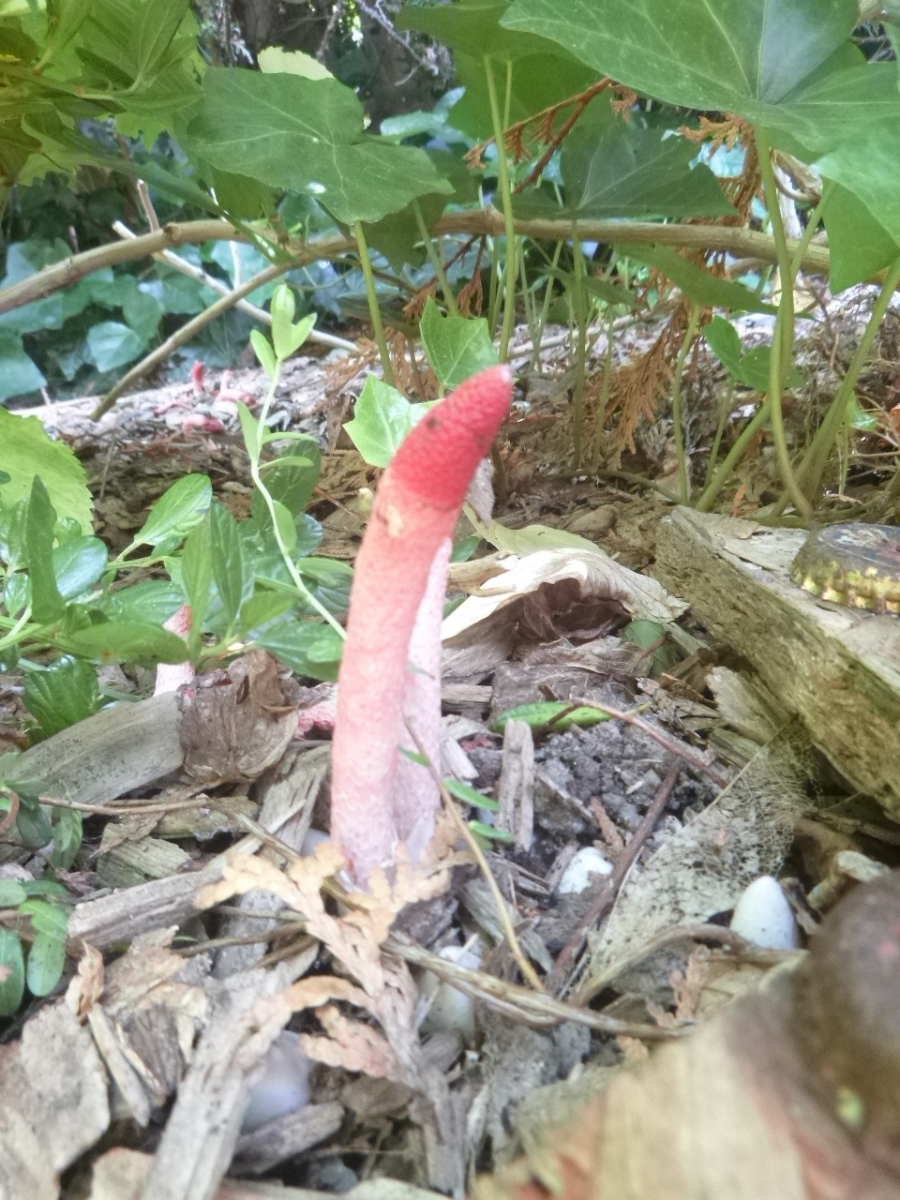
400	575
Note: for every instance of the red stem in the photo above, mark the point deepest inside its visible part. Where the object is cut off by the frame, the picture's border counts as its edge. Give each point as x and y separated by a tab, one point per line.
418	502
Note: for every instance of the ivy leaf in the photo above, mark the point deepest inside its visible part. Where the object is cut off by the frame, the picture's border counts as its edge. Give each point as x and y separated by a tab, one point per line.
18	373
382	419
307	135
113	344
457	347
700	286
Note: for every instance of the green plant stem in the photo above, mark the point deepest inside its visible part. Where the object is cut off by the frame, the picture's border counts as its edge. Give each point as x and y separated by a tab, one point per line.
435	259
545	306
816	458
581	320
684	483
503	186
603	400
15	634
374	312
724	410
734	455
256	476
812	225
783	341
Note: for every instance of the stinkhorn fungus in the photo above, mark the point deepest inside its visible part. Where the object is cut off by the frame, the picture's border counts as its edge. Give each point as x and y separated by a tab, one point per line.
406	543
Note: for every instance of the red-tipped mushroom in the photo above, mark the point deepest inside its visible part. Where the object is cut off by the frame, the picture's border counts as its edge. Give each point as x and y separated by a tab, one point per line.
404	552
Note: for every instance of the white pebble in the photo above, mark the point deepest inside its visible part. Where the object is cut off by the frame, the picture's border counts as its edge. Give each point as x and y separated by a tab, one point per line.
284	1086
447	1007
763	916
582	870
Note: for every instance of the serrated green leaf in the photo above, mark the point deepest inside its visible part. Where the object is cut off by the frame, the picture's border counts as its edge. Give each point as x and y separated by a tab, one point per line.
46	962
152	601
178	510
307	135
12	972
457	347
260	610
196	576
27	451
61	694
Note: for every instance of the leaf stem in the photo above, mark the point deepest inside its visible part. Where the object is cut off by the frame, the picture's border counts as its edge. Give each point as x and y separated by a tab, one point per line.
435	259
503	186
684	483
783	341
365	262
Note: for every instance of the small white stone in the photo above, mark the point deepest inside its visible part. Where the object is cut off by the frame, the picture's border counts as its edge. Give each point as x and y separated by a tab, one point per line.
284	1086
763	916
447	1007
582	871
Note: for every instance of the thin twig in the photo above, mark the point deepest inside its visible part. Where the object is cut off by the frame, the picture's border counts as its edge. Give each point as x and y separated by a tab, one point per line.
518	954
610	886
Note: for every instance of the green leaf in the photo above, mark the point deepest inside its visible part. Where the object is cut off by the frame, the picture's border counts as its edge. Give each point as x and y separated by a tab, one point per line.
143	312
79	564
178	510
490	833
113	344
152	601
308	648
33	825
262	348
611	169
46	918
469	795
457	347
543	715
859	246
382	419
12	972
698	285
251	430
287	528
196	576
227	557
868	167
27	451
18	372
752	368
260	610
783	64
292	478
127	641
12	894
62	694
286	336
46	602
307	135
46	961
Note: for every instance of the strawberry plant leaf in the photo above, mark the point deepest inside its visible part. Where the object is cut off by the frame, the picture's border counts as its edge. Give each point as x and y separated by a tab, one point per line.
177	511
27	451
46	961
12	972
61	694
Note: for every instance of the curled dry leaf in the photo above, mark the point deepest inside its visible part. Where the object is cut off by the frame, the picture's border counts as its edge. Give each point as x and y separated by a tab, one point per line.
592	575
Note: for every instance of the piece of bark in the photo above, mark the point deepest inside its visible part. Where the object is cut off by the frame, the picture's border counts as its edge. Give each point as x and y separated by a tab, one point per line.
515	792
117	750
838	669
53	1103
264	1148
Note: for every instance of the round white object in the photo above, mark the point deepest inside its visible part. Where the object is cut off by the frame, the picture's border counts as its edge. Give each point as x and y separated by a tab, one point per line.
582	871
763	916
284	1085
447	1007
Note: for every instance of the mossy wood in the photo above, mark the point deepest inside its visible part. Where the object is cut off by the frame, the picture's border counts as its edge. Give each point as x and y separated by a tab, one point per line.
836	668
